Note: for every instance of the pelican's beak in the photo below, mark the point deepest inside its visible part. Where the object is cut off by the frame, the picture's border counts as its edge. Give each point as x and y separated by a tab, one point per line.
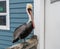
29	8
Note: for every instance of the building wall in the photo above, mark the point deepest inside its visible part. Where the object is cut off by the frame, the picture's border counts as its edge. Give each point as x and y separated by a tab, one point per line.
52	24
18	16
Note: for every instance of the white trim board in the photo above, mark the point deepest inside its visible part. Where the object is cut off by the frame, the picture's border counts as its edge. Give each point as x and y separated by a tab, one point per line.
39	22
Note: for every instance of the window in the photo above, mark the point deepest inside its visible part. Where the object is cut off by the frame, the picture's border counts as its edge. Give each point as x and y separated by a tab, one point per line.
4	15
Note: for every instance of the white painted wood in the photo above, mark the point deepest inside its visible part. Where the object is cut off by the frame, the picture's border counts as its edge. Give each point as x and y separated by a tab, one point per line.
3	13
39	22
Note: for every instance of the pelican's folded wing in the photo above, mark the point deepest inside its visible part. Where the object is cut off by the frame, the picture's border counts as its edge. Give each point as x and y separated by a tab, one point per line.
18	31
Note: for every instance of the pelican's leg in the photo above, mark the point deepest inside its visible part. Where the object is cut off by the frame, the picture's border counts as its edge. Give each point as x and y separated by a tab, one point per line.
24	40
19	39
25	44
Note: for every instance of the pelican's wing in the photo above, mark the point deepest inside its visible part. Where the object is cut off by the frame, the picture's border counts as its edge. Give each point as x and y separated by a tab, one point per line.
30	27
30	24
18	31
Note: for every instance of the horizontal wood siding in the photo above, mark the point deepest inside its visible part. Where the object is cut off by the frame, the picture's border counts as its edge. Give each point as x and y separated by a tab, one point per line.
18	16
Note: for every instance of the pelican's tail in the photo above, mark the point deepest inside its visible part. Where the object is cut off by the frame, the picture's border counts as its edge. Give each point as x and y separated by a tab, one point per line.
15	40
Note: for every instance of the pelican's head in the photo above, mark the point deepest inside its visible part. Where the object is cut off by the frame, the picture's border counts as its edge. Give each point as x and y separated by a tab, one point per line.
29	9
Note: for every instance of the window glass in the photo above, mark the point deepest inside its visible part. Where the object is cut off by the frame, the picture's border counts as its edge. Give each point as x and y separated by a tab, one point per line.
2	20
2	6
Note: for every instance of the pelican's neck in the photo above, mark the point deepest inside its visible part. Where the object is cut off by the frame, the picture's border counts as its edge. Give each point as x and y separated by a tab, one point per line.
30	19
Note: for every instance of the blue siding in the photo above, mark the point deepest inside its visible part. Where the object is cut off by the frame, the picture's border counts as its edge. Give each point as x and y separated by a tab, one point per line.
18	16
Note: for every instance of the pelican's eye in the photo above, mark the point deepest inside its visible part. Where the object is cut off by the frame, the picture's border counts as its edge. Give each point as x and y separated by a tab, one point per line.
29	9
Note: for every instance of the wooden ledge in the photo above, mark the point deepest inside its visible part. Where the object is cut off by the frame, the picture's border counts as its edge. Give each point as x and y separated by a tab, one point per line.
30	44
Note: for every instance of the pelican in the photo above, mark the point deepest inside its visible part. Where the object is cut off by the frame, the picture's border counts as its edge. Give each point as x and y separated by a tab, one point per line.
25	29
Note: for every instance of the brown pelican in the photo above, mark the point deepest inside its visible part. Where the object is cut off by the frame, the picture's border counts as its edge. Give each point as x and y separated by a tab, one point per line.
24	30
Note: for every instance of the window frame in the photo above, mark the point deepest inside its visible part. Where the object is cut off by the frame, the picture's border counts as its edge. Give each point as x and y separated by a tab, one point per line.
7	26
